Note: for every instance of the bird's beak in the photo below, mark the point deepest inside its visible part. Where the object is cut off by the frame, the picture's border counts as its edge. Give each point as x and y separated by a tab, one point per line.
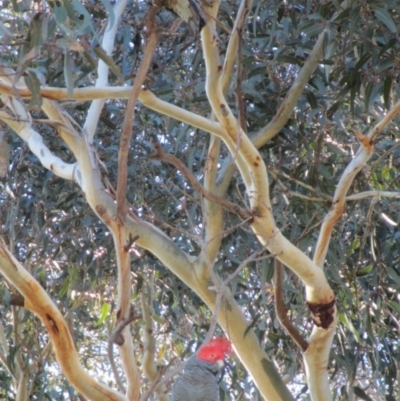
220	364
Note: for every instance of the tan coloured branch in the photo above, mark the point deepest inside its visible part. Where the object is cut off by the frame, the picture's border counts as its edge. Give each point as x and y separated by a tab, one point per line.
372	194
212	212
281	310
87	94
126	135
103	204
232	50
282	115
111	359
319	295
181	264
363	154
124	312
317	355
38	302
88	162
285	110
253	171
121	335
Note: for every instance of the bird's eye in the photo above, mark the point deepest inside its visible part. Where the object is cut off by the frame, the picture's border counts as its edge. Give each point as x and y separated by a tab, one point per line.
212	355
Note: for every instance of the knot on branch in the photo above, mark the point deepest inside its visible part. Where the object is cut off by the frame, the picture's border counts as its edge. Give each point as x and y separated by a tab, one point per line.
159	152
322	314
17	300
130	242
365	141
117	337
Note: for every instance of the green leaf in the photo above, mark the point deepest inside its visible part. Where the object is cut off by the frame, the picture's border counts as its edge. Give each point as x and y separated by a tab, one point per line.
283	58
312	100
105	309
355	244
99	51
68	70
368	324
393	274
363	59
35	30
83	13
252	324
387	90
384	17
394	305
311	28
61	14
33	83
364	271
70	11
348	323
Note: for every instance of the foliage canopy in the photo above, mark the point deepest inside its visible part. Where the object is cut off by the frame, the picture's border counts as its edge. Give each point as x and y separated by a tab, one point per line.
51	229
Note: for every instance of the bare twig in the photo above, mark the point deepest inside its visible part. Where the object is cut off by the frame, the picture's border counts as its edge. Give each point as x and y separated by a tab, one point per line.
117	337
281	310
150	369
130	113
130	242
161	155
219	288
293	193
162	381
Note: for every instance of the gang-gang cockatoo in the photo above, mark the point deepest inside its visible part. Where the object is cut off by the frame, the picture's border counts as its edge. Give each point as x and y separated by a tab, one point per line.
199	381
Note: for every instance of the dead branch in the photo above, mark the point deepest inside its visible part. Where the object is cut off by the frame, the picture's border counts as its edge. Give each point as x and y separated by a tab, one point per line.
281	310
161	155
130	113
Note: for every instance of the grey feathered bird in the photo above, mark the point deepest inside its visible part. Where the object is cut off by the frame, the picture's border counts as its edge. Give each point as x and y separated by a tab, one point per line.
199	381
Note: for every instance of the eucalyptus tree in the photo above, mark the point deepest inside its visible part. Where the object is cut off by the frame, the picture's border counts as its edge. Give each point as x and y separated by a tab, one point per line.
156	176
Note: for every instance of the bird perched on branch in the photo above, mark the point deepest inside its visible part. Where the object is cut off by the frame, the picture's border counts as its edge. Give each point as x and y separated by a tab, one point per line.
199	381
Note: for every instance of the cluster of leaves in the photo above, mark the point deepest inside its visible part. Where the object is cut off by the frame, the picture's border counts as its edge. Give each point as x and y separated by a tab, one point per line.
53	232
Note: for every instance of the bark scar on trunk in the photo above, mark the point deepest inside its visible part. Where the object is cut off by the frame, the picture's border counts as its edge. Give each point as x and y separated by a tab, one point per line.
322	314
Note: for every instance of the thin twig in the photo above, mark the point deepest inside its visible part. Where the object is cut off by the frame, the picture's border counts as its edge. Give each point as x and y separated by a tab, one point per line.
161	155
149	366
130	113
220	288
162	381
